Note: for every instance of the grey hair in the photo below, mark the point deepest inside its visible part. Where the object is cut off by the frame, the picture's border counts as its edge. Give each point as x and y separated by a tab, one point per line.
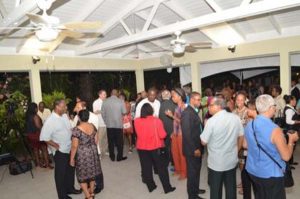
264	102
166	95
219	101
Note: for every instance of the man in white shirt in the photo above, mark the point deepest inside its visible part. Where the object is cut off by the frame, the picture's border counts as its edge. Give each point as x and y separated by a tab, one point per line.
93	118
223	135
151	99
97	106
56	132
43	112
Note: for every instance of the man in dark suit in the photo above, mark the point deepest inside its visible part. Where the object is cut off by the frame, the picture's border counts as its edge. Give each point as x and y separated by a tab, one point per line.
191	143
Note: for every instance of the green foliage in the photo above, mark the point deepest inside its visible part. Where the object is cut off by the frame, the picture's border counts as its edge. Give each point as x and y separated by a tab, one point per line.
49	99
12	119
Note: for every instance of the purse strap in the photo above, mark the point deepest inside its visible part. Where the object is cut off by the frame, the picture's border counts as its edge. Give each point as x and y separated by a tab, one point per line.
260	147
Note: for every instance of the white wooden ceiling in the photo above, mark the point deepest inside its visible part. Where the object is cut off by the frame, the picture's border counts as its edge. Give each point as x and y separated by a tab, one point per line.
126	19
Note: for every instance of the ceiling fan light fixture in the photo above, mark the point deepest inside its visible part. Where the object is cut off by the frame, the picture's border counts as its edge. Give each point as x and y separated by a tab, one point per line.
178	49
47	34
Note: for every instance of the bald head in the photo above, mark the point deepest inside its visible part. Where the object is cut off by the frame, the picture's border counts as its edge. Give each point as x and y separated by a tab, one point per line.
114	92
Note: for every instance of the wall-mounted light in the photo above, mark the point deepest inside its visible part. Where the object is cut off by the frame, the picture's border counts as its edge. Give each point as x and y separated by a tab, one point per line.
232	48
169	70
35	59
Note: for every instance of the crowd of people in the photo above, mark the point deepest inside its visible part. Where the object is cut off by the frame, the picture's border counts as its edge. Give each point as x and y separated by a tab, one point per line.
170	131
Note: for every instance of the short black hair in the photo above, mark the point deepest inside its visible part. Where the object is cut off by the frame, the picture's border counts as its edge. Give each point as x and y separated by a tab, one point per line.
57	102
181	93
146	110
288	98
84	115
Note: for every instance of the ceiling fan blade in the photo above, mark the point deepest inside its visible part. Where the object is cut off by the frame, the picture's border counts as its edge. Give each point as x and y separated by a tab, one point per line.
30	45
83	25
36	19
18	28
203	43
72	34
51	46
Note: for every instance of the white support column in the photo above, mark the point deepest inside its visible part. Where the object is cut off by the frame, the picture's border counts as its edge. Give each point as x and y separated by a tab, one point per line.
35	85
285	72
196	79
140	82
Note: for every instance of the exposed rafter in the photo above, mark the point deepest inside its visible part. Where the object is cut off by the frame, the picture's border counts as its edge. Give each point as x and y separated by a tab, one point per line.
127	51
155	23
217	8
18	2
131	8
18	14
246	2
3	11
213	5
90	7
151	15
275	24
125	27
236	13
120	15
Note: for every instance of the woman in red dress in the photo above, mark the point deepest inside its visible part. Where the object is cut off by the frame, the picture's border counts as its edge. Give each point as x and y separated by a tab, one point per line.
33	129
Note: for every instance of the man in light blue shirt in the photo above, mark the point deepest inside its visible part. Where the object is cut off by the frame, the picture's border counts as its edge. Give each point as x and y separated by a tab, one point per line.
56	132
223	135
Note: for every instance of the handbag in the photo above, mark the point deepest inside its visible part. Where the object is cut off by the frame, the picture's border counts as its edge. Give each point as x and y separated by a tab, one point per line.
17	167
288	177
162	152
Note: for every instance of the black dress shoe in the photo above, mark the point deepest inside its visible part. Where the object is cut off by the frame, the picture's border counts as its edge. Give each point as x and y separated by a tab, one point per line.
292	167
170	190
124	158
201	191
75	191
196	197
112	159
294	163
68	197
152	188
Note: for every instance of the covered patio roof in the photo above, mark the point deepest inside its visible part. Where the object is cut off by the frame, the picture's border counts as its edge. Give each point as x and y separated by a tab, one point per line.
136	33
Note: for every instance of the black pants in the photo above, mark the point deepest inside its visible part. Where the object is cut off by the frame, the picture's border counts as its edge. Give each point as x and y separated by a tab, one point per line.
148	159
64	174
217	179
246	182
269	188
193	175
115	138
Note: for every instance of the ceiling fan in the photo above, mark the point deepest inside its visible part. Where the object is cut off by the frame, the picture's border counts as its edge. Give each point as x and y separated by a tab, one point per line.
49	33
179	46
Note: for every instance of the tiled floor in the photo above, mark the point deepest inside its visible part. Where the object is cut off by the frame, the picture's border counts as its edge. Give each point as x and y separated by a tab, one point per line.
122	181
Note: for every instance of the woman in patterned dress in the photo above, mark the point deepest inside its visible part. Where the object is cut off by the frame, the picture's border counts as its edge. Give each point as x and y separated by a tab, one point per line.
84	155
241	110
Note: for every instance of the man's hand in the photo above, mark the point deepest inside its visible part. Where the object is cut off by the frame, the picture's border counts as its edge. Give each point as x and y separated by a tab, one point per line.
197	153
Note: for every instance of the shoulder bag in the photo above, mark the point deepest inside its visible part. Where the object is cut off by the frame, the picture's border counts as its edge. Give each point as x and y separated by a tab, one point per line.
288	177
